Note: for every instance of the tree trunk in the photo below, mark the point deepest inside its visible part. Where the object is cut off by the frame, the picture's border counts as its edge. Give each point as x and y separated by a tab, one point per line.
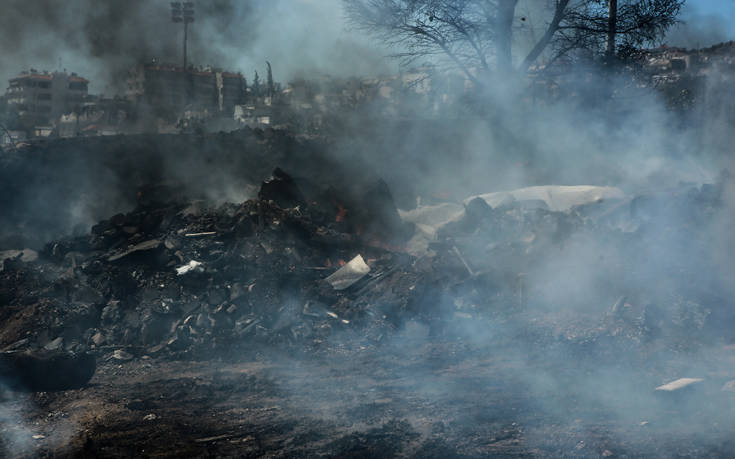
559	11
504	38
612	25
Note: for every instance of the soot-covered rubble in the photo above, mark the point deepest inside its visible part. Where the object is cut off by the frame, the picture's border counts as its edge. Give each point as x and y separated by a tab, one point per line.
184	279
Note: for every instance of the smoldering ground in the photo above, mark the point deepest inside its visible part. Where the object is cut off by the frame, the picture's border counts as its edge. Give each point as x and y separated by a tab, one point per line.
570	351
552	357
15	436
20	437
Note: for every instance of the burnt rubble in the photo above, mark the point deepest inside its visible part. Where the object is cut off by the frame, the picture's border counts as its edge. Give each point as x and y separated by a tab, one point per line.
326	321
187	278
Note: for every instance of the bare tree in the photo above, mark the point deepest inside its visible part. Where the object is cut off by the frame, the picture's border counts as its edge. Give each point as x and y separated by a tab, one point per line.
270	85
256	85
612	29
477	36
471	33
609	26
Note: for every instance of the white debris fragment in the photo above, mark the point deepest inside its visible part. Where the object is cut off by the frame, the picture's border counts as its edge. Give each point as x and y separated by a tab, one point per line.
335	316
191	266
121	355
206	233
679	384
348	274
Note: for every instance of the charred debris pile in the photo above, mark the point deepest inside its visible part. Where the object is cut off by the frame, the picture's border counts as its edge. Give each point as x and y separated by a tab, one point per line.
304	263
177	277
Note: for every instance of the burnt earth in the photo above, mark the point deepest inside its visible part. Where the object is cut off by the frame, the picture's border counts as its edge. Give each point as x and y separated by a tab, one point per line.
216	334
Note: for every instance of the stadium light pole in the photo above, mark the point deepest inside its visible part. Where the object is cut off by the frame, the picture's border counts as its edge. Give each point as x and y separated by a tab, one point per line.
183	12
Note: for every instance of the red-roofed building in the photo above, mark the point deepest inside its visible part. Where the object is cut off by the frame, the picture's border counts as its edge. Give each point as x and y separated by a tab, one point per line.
42	97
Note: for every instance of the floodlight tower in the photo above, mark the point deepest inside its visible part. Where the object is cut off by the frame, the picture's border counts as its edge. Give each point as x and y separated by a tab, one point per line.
183	12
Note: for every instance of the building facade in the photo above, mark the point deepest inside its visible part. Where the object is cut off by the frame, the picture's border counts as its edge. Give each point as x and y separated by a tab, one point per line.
40	98
170	90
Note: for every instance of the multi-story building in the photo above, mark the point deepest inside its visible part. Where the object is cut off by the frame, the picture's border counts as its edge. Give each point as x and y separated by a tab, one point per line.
96	116
171	90
40	98
419	93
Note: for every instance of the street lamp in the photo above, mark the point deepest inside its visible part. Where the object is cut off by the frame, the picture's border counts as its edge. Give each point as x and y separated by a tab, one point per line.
183	12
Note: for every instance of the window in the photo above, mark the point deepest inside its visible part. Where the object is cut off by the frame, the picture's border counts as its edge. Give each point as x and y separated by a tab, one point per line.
78	86
44	84
44	96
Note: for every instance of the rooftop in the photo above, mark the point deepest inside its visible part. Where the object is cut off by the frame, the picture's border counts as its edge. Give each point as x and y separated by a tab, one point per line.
199	71
36	75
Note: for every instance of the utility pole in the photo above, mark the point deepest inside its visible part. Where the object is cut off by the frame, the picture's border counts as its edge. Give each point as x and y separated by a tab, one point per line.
183	12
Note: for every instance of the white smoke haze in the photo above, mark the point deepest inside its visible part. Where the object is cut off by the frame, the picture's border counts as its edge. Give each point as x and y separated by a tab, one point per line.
16	438
643	148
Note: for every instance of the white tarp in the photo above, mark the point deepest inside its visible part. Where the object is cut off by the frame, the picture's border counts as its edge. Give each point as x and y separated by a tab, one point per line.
559	198
429	219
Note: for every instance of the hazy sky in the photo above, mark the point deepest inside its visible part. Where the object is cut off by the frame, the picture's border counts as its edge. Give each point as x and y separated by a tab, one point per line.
100	38
705	22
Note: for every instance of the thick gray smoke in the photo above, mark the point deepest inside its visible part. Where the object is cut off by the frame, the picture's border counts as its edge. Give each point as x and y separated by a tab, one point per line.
101	40
636	143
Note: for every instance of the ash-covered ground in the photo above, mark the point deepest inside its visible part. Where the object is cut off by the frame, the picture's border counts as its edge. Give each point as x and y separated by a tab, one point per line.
329	313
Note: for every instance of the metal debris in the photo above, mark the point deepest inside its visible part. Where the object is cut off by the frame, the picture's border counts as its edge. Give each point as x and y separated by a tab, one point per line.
349	274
